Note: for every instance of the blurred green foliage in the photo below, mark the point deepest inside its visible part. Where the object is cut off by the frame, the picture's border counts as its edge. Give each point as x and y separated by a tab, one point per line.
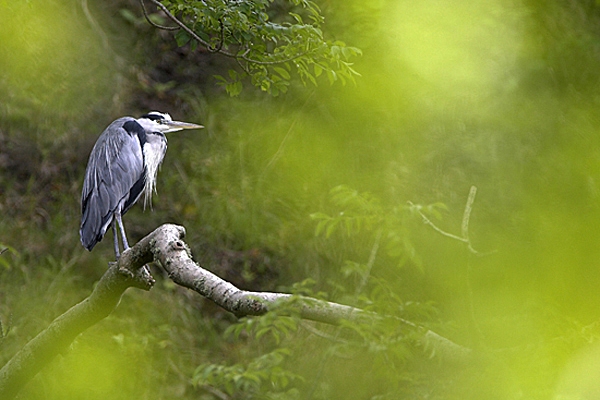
267	40
501	95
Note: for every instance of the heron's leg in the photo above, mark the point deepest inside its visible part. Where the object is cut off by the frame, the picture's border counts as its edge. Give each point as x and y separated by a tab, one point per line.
122	228
116	239
124	237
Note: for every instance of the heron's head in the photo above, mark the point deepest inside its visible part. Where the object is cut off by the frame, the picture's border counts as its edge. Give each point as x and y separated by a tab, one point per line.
156	121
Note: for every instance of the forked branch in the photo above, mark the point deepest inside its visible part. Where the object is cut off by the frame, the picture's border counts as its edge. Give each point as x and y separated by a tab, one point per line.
241	55
464	236
165	246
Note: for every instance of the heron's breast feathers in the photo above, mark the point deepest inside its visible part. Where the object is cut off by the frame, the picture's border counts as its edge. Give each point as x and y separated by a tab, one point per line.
154	152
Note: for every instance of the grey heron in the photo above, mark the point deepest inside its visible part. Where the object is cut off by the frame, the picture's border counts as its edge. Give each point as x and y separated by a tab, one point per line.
123	164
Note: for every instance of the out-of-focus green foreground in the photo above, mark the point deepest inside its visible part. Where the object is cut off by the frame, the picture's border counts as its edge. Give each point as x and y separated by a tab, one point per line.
503	95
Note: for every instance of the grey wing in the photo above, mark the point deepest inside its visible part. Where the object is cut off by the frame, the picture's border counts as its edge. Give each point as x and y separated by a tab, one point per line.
114	179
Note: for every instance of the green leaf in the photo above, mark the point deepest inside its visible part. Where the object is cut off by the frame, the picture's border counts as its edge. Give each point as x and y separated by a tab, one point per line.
318	70
281	71
182	38
261	42
331	228
128	16
234	88
297	17
332	76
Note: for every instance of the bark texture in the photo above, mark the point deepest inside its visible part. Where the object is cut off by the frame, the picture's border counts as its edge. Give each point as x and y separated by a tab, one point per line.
165	246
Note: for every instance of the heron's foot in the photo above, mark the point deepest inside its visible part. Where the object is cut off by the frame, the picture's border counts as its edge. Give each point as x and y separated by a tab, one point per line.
146	276
141	278
127	272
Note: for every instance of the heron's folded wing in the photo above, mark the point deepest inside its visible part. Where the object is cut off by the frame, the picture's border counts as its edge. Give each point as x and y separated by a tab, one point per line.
114	178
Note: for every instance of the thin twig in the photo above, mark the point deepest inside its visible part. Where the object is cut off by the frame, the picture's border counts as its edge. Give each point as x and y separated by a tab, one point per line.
95	25
282	61
467	214
218	47
154	24
427	221
216	392
321	334
224	52
242	66
288	134
370	263
464	226
185	27
359	289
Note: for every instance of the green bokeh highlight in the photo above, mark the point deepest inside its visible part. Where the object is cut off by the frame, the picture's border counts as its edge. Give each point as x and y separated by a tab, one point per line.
57	70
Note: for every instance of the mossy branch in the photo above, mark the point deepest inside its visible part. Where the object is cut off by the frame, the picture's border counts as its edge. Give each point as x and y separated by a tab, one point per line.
165	246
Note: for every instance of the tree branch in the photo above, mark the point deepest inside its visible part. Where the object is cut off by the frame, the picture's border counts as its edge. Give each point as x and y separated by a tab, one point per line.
56	338
127	272
165	246
175	258
464	225
154	24
219	47
186	28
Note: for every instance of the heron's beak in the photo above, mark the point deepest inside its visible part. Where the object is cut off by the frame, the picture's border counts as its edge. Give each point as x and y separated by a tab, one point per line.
175	126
